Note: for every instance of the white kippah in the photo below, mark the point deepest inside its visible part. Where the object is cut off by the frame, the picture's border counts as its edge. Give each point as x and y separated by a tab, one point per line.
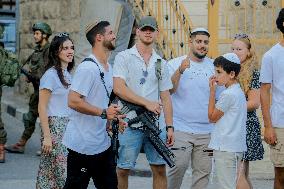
232	57
200	30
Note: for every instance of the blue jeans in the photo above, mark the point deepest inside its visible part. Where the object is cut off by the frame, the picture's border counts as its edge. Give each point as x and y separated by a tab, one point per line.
131	141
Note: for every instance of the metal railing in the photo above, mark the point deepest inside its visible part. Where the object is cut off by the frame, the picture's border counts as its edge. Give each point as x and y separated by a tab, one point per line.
253	17
225	19
173	21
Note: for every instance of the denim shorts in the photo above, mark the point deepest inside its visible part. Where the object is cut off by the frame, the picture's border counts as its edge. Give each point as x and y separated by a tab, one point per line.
131	141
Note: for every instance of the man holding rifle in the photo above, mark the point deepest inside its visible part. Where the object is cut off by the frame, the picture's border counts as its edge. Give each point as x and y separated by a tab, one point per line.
36	63
135	81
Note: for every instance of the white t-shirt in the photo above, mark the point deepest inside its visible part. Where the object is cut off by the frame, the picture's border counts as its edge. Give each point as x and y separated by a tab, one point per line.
58	102
86	134
229	132
129	66
272	71
190	101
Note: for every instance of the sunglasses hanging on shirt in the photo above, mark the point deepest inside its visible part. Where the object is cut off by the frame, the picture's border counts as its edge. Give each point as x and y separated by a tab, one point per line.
144	76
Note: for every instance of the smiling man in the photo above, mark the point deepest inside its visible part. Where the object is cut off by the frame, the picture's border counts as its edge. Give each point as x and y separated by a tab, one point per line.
190	93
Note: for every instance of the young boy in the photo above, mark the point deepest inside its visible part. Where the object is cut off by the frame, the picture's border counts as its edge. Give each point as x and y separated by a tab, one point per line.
228	139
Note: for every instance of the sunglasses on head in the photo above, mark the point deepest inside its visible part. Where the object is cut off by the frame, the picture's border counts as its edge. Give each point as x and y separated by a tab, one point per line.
62	34
241	36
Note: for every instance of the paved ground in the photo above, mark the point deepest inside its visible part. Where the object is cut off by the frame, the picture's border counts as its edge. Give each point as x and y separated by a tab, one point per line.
20	170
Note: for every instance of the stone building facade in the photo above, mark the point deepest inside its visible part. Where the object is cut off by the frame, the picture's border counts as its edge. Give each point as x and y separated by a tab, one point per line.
63	16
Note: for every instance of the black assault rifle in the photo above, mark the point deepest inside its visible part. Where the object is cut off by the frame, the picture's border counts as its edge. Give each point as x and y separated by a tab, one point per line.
114	138
149	127
31	78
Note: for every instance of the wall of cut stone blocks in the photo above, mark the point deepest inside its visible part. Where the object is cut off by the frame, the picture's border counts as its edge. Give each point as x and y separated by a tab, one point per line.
63	16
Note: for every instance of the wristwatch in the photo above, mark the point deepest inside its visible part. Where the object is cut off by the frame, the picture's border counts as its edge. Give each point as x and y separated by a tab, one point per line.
104	114
170	126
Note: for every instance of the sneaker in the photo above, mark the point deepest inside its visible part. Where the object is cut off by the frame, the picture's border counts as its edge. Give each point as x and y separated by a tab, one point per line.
2	153
15	148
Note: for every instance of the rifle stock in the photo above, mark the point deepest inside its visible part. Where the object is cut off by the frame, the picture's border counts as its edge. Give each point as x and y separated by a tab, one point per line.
31	78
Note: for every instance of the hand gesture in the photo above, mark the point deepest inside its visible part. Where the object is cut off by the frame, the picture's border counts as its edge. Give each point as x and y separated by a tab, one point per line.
184	65
112	111
46	145
212	83
154	107
270	136
121	123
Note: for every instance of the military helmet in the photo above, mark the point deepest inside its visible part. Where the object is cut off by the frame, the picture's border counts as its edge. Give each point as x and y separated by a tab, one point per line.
42	26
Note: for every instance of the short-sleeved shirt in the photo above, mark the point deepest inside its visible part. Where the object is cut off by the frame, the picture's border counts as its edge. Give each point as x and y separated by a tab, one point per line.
86	134
129	66
190	101
229	133
272	69
58	102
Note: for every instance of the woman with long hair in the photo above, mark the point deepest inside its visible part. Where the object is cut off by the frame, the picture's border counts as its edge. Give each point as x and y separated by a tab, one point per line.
249	81
53	112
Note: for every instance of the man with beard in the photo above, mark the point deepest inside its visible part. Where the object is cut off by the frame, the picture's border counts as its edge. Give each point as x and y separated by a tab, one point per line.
135	81
190	93
86	138
35	63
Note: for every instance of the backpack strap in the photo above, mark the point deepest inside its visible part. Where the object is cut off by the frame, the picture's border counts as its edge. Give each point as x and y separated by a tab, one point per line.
158	72
101	74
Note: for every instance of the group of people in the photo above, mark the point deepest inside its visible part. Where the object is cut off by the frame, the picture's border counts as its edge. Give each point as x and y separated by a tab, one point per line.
203	104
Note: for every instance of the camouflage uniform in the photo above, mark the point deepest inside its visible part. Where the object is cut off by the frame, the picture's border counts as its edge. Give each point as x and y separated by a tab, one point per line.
3	133
36	63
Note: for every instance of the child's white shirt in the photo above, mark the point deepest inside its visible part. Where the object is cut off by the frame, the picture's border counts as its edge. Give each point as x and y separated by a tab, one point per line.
229	133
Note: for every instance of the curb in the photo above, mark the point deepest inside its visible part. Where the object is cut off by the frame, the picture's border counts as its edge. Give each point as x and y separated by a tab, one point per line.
11	110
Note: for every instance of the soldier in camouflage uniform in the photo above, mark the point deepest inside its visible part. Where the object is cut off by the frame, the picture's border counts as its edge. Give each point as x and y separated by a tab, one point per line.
36	63
3	133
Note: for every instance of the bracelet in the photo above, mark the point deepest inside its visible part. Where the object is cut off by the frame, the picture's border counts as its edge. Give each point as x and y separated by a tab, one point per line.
170	126
179	69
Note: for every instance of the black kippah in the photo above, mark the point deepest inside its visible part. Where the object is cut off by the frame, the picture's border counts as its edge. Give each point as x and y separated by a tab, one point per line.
280	20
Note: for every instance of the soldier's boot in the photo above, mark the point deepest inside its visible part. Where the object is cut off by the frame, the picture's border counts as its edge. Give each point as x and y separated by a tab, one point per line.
2	153
19	147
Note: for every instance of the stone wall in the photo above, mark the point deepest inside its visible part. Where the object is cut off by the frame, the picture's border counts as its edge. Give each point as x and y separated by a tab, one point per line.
63	16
